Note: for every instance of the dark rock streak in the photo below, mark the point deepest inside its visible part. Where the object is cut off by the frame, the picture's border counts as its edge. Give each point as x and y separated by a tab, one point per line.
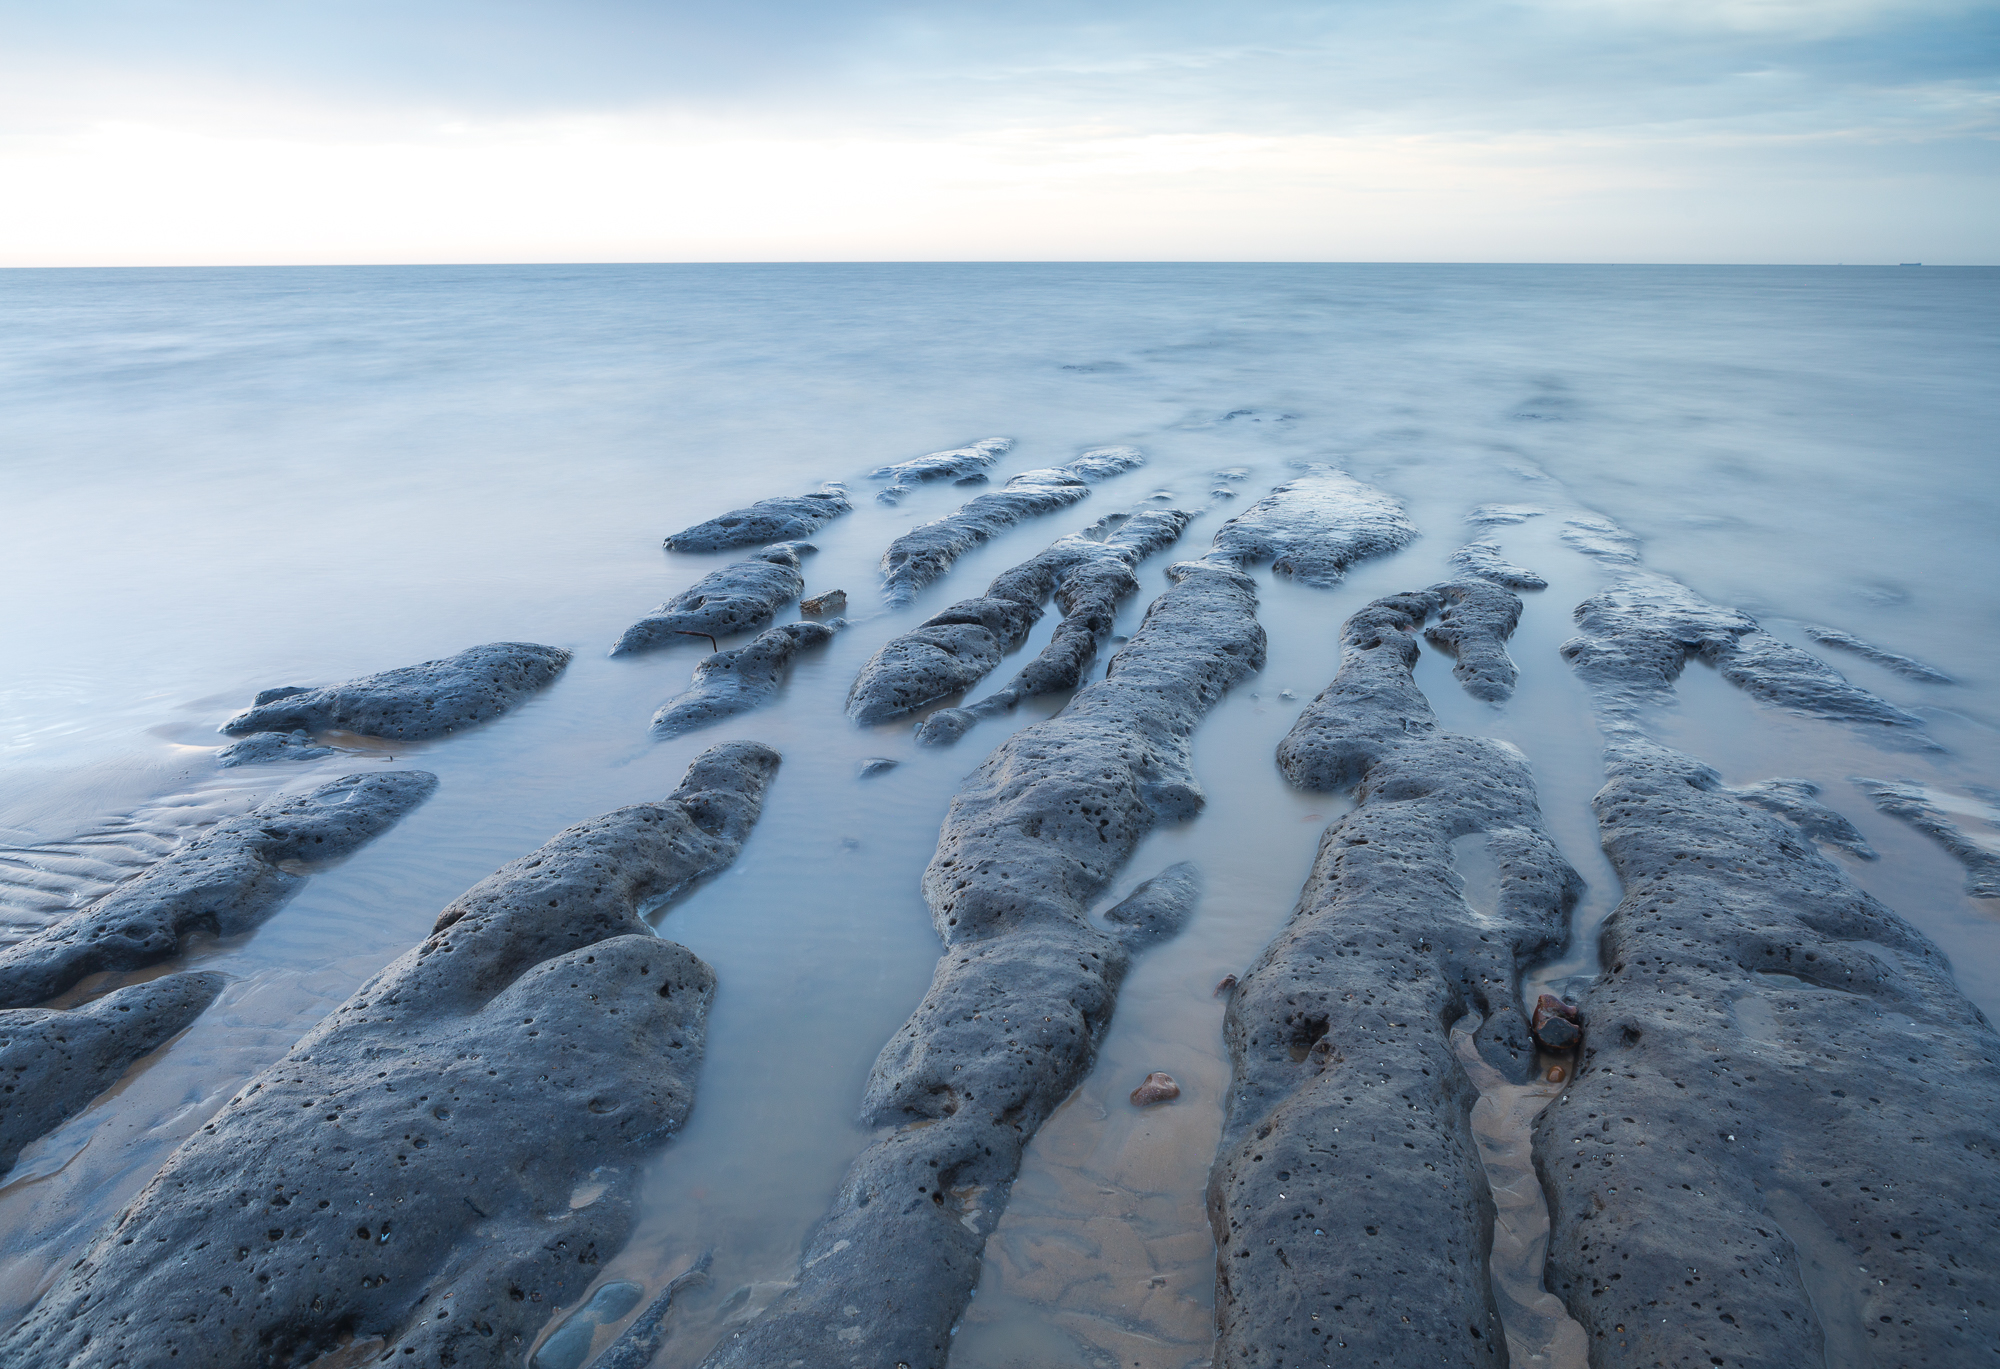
1349	1203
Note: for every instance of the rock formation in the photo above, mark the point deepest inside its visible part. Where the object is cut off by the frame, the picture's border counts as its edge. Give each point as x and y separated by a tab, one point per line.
415	702
1313	528
1919	807
741	597
791	518
962	464
225	881
448	1156
732	682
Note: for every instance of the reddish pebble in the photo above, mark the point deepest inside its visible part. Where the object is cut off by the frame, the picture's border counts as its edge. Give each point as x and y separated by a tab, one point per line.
1555	1074
1228	983
1158	1088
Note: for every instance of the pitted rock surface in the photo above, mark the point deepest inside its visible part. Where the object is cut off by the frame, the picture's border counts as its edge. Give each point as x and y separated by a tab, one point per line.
54	1061
415	702
1781	1087
943	654
1094	575
1025	989
225	881
1798	800
1348	1199
1481	557
264	748
923	554
1475	619
791	518
741	597
1313	528
1916	805
732	682
1640	633
960	463
402	1183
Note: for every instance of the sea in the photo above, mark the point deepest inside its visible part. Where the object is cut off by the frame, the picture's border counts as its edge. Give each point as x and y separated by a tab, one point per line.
219	480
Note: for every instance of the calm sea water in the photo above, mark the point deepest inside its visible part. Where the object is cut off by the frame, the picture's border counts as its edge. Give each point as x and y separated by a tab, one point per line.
219	480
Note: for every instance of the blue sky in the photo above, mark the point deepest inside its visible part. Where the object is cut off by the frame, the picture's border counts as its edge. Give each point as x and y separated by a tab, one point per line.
516	130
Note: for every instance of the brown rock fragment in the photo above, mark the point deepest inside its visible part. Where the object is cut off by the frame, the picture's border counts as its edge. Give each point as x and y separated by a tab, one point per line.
1158	1088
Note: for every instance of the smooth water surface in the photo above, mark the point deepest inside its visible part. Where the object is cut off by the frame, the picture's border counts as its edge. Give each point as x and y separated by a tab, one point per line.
221	480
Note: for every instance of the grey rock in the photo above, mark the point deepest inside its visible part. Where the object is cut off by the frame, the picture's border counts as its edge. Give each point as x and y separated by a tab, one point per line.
1313	528
792	518
1781	1089
1475	619
1640	633
945	653
53	1061
451	1153
955	464
1798	800
415	702
1603	539
225	881
732	682
1917	805
877	765
1025	989
741	597
1348	1183
265	748
1092	574
1481	557
1907	666
923	554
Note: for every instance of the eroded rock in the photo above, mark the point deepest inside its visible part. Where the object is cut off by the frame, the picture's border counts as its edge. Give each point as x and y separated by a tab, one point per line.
55	1061
1475	619
956	464
923	554
790	518
1159	1087
1798	800
1907	666
1602	539
1481	557
1024	991
1313	528
224	881
415	702
732	682
1501	515
449	1155
947	652
1782	1088
1092	573
1919	806
833	602
741	597
1640	633
1348	1184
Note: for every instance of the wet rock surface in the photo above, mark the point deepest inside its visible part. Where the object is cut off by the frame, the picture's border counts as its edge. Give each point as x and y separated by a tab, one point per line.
223	882
1091	574
53	1061
266	748
1024	991
1603	539
1907	666
1475	619
1348	1199
449	1155
415	702
1481	557
1640	633
1556	1025
1777	1148
741	597
793	518
959	463
1918	805
732	682
923	554
945	653
1798	800
1313	528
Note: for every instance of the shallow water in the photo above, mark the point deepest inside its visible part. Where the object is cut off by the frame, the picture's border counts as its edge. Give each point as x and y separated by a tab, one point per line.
222	480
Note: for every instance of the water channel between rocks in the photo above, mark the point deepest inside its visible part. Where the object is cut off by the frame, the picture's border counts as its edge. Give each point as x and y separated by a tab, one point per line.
224	481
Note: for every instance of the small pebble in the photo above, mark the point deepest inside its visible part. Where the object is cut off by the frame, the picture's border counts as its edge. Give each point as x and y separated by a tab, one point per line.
1555	1074
1158	1088
877	765
1228	983
833	601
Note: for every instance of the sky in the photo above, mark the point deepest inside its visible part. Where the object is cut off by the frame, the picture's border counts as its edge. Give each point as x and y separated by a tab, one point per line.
143	132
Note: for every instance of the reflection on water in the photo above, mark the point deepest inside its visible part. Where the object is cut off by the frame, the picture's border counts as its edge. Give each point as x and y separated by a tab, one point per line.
224	480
